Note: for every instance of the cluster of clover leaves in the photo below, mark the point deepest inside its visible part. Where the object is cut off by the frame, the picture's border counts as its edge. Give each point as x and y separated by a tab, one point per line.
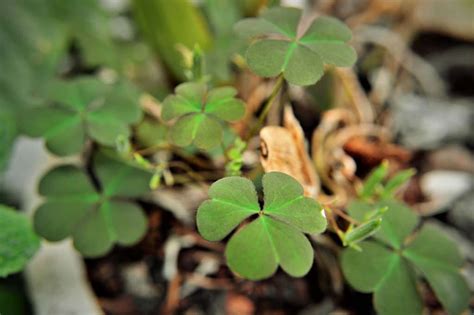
96	216
82	109
279	48
93	206
200	114
388	264
275	236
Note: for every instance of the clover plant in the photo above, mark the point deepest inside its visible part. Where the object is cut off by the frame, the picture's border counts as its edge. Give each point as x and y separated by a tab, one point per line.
274	237
389	264
201	113
95	217
278	47
83	109
18	242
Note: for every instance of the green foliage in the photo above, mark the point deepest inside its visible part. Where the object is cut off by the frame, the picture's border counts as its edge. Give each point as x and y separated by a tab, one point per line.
200	114
375	185
279	49
150	133
275	236
81	109
7	135
235	156
168	24
18	242
387	265
94	218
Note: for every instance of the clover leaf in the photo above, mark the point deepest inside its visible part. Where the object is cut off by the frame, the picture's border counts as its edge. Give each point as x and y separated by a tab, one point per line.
275	236
388	264
279	49
200	114
82	109
18	242
94	218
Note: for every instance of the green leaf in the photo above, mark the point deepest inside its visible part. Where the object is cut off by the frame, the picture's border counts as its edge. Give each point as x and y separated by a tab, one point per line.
167	24
18	242
327	37
299	59
275	237
397	294
200	113
366	269
95	219
284	201
360	233
439	260
151	133
250	254
7	135
373	181
397	222
80	109
277	20
233	199
396	181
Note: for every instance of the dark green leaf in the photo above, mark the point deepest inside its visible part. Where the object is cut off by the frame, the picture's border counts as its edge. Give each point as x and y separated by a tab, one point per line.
366	269
233	199
80	109
95	219
18	242
275	237
397	294
439	260
299	59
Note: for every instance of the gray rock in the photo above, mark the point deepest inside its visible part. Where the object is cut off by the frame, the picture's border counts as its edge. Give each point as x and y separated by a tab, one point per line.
424	123
462	214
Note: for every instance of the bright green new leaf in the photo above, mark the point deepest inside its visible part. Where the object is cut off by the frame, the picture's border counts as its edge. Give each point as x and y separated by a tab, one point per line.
81	109
275	237
388	271
201	113
397	222
278	49
373	181
94	218
18	242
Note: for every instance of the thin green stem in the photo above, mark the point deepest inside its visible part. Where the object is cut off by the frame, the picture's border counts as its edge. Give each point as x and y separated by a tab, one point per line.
267	106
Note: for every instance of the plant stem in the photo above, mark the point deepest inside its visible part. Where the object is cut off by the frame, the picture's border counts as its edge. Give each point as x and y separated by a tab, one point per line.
267	106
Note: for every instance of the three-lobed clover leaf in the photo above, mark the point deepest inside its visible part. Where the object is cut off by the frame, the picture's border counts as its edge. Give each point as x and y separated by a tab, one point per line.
275	236
279	49
18	242
200	113
82	109
388	264
94	218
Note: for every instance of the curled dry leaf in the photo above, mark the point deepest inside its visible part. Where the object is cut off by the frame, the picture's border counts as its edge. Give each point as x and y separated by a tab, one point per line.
283	149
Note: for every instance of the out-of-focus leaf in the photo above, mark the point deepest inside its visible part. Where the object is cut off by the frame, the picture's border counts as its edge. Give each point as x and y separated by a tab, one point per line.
397	222
81	109
439	260
388	270
168	24
18	242
96	220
